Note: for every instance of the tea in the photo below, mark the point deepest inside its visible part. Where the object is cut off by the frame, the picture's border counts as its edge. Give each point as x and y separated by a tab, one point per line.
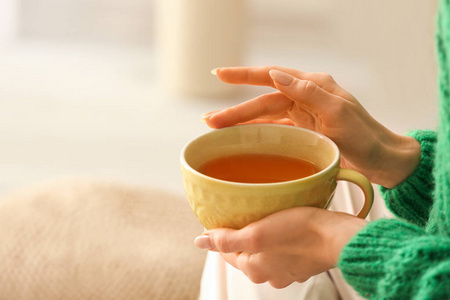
258	168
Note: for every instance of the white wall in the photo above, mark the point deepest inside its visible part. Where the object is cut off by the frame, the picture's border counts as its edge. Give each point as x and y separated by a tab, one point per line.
68	108
127	21
382	51
388	45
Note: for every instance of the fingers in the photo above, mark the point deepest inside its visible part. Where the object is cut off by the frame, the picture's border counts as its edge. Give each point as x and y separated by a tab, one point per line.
304	92
266	267
250	239
256	237
275	105
264	235
260	76
252	265
299	92
251	75
284	121
223	240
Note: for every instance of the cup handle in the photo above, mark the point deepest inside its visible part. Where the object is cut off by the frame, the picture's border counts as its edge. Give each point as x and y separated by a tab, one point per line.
361	181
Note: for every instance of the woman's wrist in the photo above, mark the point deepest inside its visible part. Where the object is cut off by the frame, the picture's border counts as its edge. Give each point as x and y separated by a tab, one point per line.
399	157
335	231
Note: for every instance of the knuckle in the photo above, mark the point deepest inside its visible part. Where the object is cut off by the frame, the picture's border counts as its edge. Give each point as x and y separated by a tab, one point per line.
252	269
256	277
221	243
234	112
326	77
302	280
279	284
309	88
265	101
274	67
265	98
341	108
255	241
231	110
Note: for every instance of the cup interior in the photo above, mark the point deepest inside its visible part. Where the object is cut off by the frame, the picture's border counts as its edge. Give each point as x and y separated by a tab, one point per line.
282	140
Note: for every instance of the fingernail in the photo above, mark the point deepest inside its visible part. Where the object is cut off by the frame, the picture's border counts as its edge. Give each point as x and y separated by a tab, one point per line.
203	242
207	116
214	71
281	77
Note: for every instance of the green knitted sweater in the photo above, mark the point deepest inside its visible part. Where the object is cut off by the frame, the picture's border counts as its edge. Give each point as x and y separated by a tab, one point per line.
409	257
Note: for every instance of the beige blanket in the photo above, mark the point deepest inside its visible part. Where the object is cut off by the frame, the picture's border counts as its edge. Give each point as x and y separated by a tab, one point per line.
90	240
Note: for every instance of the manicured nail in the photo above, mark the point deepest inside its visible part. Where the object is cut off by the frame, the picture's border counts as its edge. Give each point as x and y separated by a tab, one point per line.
281	77
205	117
203	242
208	114
214	71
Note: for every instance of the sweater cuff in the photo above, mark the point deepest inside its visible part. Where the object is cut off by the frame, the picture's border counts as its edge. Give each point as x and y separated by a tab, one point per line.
419	185
363	259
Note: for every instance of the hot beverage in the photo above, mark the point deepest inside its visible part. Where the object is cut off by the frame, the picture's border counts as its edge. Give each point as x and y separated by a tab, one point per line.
240	174
258	168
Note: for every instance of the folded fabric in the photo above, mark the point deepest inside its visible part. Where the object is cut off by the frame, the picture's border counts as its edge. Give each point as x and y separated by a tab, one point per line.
90	240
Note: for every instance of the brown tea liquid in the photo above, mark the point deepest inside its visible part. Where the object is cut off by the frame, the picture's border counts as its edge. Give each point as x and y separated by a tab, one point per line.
258	168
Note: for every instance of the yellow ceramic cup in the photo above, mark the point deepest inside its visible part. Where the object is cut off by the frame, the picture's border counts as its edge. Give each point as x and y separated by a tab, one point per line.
218	203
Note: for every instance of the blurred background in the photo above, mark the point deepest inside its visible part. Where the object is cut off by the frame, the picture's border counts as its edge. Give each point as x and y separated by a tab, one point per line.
114	89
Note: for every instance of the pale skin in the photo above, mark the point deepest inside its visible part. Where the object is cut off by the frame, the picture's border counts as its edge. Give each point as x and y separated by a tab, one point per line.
295	244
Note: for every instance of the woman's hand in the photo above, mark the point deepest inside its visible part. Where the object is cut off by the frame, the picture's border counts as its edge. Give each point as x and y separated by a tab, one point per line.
287	246
315	101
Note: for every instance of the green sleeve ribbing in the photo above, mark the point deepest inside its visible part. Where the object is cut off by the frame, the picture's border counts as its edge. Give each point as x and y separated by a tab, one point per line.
393	259
412	199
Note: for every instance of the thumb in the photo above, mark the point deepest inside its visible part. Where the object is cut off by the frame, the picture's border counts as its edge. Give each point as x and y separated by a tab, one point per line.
221	240
302	91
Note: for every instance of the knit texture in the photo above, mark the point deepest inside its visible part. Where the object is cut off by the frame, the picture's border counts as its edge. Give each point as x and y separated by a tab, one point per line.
412	199
409	257
92	240
391	259
440	214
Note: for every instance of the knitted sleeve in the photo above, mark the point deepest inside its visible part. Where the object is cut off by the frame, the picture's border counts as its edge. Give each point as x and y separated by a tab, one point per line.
412	199
393	259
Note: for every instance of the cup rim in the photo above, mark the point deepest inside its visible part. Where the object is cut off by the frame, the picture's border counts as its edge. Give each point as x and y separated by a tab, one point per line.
335	161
